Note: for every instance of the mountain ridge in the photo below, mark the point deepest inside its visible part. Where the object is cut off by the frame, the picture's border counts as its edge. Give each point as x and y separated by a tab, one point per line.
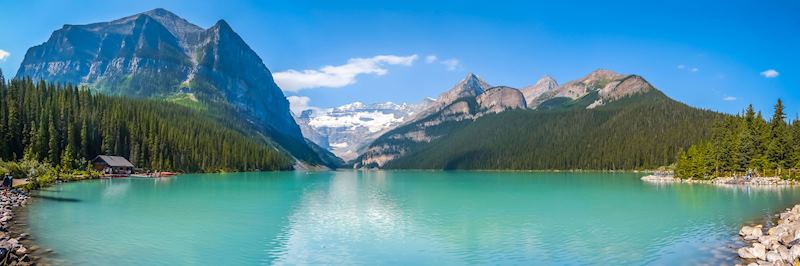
450	114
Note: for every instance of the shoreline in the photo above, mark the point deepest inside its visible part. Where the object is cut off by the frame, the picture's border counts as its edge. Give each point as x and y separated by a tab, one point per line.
776	242
722	181
15	247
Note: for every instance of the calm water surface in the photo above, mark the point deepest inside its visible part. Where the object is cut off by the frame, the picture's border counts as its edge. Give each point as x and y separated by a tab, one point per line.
396	218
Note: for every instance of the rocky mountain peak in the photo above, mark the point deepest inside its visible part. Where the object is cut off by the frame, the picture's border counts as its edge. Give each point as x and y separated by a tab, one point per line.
631	84
603	73
176	25
543	85
598	77
471	85
163	15
222	24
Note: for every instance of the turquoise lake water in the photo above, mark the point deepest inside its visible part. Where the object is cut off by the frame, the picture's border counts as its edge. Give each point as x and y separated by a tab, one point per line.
396	218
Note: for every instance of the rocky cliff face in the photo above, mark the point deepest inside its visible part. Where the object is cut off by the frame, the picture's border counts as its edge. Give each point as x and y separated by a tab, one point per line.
544	85
158	54
608	84
469	87
501	98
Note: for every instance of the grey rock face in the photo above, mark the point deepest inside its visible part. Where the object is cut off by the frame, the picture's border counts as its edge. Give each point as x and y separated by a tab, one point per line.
608	84
158	54
543	85
498	99
469	87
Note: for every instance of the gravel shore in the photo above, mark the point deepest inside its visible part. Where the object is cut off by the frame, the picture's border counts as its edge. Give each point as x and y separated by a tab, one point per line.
12	251
777	245
752	181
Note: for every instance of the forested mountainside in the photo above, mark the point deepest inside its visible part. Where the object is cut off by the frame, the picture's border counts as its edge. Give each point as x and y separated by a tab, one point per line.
157	54
746	144
640	128
67	126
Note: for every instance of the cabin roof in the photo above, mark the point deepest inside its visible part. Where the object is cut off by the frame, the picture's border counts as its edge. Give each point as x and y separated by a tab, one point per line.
113	161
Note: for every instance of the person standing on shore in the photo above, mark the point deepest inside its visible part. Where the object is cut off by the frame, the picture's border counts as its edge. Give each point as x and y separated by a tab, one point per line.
8	181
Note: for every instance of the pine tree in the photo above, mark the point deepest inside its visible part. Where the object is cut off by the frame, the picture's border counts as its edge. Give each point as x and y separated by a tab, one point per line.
67	158
777	149
795	145
84	144
53	143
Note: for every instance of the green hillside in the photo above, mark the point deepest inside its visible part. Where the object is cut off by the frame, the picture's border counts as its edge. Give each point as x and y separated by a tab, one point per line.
641	131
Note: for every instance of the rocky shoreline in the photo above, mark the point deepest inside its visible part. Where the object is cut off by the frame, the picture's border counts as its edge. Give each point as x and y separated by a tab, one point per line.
752	181
777	245
12	250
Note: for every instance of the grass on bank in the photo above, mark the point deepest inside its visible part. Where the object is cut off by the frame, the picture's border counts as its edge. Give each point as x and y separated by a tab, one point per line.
43	174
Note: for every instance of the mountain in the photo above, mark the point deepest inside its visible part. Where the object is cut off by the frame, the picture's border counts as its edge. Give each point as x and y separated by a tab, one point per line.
346	130
609	85
157	54
501	98
543	85
469	99
604	120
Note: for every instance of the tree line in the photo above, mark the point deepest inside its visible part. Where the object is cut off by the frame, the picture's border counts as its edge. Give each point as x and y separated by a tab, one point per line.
745	144
65	126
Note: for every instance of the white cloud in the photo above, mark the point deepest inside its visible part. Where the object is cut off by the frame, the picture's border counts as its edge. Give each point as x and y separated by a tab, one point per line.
770	73
341	75
694	69
451	64
430	59
681	66
729	98
298	104
4	54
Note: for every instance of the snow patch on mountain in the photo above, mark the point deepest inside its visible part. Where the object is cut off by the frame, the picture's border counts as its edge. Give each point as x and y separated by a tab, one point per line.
346	129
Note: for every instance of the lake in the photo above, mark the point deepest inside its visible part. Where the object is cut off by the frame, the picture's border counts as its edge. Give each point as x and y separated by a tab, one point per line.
396	218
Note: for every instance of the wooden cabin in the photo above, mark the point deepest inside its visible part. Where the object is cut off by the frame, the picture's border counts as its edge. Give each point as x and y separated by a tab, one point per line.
115	165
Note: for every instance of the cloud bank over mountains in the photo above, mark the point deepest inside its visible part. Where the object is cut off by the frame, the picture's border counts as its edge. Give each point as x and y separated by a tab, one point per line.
341	75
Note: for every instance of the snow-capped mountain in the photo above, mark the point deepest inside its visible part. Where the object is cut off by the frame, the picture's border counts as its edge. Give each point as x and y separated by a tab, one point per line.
347	129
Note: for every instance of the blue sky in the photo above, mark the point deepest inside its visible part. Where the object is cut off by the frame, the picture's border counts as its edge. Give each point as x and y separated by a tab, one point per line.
711	55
